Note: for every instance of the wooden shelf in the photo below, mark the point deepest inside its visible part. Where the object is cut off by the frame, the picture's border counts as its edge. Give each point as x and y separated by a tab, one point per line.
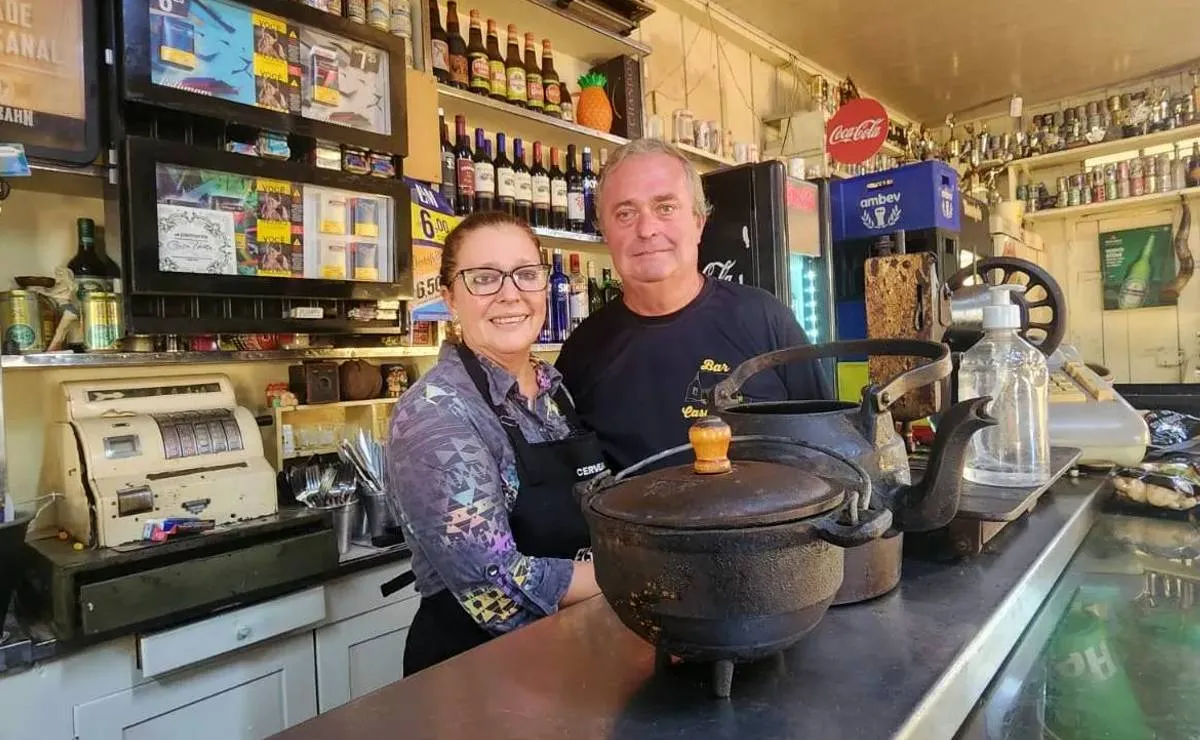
569	33
570	241
520	122
1081	153
703	156
1111	206
149	359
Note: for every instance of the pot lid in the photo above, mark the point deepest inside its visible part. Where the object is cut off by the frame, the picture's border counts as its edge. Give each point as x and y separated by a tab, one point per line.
715	492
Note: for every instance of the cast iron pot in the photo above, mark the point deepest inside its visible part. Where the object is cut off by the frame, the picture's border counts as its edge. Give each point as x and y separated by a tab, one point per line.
865	433
724	560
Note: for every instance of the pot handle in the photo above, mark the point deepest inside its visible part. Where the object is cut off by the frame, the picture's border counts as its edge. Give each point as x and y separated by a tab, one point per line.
939	367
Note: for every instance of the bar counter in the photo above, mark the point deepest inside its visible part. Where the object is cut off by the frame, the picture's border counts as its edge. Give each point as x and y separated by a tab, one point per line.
911	664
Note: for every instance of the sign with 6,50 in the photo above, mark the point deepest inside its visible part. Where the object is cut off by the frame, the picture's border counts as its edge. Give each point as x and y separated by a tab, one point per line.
432	221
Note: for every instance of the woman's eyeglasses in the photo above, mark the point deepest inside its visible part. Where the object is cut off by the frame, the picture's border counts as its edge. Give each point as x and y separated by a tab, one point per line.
489	280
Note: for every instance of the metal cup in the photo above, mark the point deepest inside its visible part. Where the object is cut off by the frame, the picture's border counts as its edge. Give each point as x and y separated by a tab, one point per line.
346	520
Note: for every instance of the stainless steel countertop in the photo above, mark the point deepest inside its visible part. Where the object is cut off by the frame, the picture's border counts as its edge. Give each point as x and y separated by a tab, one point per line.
910	664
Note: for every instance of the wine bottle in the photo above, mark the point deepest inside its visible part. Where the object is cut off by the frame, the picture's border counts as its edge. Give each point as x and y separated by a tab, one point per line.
449	186
86	266
595	292
560	299
522	182
439	45
464	168
575	202
589	193
577	310
496	68
540	181
485	174
515	69
460	74
558	193
506	188
477	58
611	288
534	95
546	337
550	84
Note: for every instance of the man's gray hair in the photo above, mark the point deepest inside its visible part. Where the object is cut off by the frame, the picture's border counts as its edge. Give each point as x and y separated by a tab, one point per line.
638	147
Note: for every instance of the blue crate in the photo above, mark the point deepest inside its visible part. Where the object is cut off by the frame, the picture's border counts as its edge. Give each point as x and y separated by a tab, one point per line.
916	196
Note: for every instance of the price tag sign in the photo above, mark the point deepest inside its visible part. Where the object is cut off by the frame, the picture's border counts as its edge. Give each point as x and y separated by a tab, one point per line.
432	221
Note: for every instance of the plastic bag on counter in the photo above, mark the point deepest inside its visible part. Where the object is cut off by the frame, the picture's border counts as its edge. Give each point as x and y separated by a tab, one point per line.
1172	429
1165	484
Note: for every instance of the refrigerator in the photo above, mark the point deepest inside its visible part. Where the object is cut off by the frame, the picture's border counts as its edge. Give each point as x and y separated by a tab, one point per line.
772	231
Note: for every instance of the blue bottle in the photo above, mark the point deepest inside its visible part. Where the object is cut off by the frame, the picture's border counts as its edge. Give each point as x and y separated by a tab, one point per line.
560	298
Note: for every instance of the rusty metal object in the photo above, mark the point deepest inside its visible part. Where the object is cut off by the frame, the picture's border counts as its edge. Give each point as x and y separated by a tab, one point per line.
727	582
906	300
871	570
1042	294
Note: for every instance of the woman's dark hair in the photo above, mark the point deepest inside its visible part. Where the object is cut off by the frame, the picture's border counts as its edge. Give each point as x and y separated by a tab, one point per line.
469	225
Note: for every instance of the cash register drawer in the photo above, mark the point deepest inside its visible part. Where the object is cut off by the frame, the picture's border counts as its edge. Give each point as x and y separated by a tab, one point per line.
175	648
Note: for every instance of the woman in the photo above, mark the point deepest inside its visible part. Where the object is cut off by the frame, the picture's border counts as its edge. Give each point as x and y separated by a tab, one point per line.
484	452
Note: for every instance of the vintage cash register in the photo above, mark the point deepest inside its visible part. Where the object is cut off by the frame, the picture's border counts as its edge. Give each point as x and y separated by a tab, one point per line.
132	450
123	451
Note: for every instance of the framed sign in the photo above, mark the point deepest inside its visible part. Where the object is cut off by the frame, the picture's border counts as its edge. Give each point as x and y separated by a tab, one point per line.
49	84
270	64
1137	264
221	224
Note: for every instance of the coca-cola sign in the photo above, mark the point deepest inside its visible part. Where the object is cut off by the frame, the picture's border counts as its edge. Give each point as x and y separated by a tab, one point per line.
857	131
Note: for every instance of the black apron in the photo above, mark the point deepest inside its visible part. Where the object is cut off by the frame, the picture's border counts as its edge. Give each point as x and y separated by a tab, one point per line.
546	522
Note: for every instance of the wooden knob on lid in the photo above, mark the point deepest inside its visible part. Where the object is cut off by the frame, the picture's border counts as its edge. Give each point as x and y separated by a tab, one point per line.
710	437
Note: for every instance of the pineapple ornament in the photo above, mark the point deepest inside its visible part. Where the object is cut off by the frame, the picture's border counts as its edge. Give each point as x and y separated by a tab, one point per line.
592	108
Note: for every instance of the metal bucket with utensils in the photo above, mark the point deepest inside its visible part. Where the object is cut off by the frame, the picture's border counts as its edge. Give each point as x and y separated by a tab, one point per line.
347	520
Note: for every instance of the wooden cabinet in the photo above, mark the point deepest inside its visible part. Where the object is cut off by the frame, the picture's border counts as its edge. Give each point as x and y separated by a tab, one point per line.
247	696
361	654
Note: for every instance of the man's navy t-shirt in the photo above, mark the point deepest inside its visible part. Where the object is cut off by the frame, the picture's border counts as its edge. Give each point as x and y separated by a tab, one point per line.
640	381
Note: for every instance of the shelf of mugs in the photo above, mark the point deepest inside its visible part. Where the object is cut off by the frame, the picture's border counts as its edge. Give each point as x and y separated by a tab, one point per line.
704	156
135	359
1107	207
1080	154
531	124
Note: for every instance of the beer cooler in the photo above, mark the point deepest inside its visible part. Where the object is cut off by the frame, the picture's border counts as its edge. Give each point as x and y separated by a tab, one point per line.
772	231
914	208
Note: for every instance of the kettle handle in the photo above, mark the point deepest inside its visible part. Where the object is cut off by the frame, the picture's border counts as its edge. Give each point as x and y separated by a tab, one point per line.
939	367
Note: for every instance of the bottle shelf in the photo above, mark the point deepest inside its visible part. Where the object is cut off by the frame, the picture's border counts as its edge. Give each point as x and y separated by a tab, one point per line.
1112	206
704	156
1081	153
570	241
519	122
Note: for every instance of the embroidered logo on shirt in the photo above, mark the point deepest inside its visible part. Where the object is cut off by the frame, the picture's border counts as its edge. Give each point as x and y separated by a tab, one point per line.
695	396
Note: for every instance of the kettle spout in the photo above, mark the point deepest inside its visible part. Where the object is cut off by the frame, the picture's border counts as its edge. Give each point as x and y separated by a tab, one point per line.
933	502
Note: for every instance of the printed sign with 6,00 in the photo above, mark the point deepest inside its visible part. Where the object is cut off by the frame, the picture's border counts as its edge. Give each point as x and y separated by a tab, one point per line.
432	221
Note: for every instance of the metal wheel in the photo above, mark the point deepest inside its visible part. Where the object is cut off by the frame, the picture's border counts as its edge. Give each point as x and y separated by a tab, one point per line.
1043	305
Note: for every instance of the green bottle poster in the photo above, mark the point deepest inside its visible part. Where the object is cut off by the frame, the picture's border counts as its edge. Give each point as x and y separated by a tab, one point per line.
1137	264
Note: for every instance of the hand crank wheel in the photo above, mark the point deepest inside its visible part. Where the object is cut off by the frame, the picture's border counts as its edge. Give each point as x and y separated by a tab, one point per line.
1043	305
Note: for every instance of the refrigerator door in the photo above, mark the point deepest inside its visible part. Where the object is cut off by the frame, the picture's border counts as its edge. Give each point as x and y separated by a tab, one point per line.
744	238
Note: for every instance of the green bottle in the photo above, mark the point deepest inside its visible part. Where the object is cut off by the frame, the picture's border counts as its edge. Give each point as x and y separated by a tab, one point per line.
1137	280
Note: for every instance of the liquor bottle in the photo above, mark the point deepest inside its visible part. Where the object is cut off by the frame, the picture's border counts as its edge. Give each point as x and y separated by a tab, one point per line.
440	45
611	288
1193	171
578	307
550	84
485	174
565	103
546	336
506	188
464	168
86	266
477	58
449	186
589	193
522	183
560	297
558	193
603	158
534	94
595	293
575	201
540	181
460	68
1133	290
496	68
517	91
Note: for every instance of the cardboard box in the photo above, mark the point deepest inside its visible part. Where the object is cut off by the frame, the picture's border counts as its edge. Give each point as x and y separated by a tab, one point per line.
424	160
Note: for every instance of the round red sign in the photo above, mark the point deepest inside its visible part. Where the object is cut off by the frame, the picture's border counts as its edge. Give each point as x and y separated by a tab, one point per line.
856	131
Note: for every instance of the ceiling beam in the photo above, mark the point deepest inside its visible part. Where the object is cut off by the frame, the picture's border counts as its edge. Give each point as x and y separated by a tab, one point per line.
761	44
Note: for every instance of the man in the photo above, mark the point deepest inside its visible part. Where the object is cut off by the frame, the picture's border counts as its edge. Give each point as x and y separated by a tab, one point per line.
640	369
